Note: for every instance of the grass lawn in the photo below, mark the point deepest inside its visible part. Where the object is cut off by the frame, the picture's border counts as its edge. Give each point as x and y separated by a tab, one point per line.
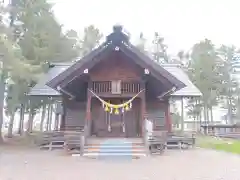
227	145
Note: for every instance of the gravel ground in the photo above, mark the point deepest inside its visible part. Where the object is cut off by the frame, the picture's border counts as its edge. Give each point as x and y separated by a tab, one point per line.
195	164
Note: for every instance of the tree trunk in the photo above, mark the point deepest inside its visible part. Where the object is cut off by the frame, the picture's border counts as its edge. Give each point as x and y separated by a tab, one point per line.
230	119
10	126
56	122
200	114
195	123
2	90
200	118
207	114
182	116
30	121
48	116
43	117
204	115
51	114
21	121
238	109
211	114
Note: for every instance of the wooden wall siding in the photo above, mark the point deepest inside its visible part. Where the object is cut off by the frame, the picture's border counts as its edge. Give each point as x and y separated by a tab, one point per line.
156	111
132	119
116	68
99	127
75	114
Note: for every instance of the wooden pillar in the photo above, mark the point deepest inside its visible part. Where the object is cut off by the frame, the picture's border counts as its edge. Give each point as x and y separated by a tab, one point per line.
168	117
88	122
143	112
88	110
143	106
63	114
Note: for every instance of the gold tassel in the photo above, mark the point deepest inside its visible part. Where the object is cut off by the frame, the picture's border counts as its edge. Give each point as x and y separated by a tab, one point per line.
106	108
116	111
127	107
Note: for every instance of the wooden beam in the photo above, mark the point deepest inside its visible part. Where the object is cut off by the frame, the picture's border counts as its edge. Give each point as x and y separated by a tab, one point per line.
63	115
167	93
88	109
66	92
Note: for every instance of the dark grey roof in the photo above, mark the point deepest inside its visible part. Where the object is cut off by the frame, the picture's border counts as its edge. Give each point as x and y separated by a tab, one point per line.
41	89
119	40
190	90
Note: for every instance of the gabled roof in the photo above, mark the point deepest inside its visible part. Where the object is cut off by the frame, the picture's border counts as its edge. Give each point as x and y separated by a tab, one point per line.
115	41
41	89
190	90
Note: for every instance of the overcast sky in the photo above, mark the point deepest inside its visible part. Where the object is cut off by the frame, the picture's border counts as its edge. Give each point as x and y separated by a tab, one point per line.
181	22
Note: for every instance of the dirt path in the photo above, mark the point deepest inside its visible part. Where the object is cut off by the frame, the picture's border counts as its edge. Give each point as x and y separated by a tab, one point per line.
173	165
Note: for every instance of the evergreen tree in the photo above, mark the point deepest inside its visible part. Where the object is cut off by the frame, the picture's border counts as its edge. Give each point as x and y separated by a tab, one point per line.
160	49
204	72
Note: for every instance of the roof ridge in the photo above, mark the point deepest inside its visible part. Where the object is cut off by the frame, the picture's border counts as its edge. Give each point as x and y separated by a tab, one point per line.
171	65
61	64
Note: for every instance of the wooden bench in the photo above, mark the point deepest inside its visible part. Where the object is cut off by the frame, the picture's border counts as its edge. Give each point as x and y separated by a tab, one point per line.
46	137
67	140
157	142
180	141
74	141
74	129
53	145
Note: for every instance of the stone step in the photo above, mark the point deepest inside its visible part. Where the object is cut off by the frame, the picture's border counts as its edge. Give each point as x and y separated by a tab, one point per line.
114	140
115	150
114	146
106	154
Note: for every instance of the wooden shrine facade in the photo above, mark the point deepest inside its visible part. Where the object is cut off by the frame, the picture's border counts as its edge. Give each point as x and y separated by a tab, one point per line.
114	73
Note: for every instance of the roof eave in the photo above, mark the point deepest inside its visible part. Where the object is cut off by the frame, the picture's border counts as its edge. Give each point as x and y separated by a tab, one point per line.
167	75
59	78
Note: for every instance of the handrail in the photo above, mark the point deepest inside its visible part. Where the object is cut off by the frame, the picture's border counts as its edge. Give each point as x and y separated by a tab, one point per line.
83	138
145	136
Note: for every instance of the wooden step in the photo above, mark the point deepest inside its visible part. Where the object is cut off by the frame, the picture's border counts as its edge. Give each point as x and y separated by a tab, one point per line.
112	155
115	147
95	140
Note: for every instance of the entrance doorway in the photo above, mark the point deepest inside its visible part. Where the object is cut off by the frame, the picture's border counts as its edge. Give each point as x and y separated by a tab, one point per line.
124	124
115	122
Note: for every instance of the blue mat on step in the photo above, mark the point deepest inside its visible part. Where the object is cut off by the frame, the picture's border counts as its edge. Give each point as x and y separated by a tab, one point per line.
116	149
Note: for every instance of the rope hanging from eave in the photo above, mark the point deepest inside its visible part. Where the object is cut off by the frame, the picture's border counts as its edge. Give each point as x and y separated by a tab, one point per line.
110	107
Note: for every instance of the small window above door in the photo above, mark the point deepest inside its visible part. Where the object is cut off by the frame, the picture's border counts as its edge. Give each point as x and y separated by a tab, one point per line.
116	87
